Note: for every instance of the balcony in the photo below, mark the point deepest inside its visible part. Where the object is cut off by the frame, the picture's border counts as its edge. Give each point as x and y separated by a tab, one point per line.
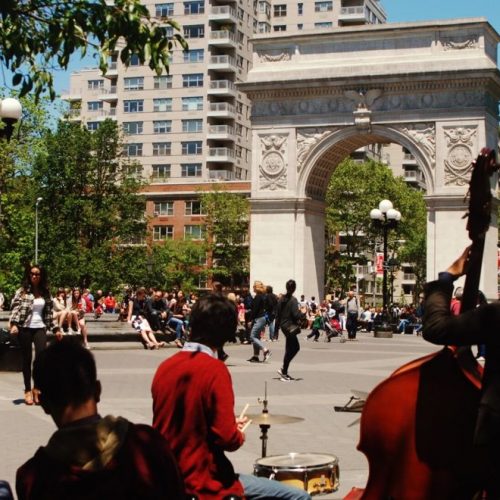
223	63
221	175
221	110
109	95
71	95
223	155
221	132
223	13
112	70
102	114
361	12
222	38
74	115
222	87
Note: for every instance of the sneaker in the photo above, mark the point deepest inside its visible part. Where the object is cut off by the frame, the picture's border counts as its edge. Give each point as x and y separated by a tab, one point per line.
267	354
254	359
283	375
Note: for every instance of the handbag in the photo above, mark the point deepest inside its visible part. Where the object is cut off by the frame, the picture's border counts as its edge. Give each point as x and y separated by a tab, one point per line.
290	328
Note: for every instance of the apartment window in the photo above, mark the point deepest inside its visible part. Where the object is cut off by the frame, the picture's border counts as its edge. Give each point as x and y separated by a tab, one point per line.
134	60
133	149
161	148
193	207
93	126
241	14
300	9
193	232
300	26
190	169
133	106
239	107
280	27
164	208
192	125
161	233
162	126
95	84
323	25
132	128
134	83
192	148
194	55
192	80
164	9
241	37
192	103
280	10
163	82
194	31
161	171
323	6
94	105
162	104
196	7
264	27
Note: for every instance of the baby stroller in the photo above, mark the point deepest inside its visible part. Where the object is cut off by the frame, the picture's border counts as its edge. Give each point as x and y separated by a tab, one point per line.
332	328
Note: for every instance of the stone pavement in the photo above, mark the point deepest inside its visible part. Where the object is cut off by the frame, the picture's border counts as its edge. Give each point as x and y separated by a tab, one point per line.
327	372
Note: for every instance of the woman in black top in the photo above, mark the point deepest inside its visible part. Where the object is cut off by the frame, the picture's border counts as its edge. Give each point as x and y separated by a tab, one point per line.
288	316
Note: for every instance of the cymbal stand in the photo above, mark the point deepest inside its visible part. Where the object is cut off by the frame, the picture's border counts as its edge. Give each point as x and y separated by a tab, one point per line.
264	427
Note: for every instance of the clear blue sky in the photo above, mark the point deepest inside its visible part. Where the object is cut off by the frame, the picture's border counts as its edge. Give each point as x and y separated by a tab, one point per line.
397	11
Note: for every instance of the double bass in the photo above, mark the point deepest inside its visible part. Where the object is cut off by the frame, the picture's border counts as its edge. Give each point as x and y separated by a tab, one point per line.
417	426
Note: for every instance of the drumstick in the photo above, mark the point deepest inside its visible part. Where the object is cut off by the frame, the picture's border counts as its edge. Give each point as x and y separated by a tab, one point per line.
248	422
242	414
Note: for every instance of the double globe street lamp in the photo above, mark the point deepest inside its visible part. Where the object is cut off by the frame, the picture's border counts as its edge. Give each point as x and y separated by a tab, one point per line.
385	217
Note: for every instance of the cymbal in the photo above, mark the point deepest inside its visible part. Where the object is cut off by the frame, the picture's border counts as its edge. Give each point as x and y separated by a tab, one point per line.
271	419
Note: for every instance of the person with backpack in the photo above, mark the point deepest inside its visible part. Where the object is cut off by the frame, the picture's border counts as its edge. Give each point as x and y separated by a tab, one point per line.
287	318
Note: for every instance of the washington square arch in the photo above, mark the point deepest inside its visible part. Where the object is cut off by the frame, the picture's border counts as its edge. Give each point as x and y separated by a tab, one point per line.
432	87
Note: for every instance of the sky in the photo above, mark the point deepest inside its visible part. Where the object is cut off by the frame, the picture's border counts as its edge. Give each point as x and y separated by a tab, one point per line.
397	11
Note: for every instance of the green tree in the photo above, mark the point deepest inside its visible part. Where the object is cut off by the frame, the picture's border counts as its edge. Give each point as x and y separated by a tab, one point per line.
91	207
178	263
356	188
227	224
38	36
17	198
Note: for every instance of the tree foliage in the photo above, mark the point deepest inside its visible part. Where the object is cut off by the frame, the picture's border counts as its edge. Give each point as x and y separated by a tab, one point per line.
91	209
354	190
37	36
227	224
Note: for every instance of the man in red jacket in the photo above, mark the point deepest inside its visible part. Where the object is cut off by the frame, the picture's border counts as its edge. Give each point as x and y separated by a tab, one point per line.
89	456
193	407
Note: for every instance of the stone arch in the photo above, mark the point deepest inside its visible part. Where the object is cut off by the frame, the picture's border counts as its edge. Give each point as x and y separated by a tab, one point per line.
431	87
333	146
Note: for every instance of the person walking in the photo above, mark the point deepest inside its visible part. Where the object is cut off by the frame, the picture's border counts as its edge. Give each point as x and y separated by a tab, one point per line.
352	311
31	317
258	322
287	318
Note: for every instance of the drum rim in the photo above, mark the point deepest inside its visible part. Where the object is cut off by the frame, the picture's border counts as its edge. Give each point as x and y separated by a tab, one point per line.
332	462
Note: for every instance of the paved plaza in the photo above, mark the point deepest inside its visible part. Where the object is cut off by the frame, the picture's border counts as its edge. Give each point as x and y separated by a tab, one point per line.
327	372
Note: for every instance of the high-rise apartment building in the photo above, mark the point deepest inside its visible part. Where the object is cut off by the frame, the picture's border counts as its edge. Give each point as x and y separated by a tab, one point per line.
192	127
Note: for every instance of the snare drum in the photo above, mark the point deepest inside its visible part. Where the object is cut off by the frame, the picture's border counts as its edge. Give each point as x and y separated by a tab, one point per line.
316	473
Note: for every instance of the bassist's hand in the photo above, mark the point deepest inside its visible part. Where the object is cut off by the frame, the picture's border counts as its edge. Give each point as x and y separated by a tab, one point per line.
459	267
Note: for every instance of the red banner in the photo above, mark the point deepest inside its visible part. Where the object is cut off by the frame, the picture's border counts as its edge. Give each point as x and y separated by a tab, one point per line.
379	264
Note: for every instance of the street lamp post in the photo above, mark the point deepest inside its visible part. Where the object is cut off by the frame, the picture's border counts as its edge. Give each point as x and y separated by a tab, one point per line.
38	200
10	112
385	217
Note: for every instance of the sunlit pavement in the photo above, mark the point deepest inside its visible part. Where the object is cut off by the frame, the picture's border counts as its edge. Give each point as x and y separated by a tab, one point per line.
326	373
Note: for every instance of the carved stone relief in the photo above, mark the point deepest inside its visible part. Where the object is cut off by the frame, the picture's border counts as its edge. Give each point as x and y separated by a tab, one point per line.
424	134
460	142
307	138
273	167
471	42
390	102
275	56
